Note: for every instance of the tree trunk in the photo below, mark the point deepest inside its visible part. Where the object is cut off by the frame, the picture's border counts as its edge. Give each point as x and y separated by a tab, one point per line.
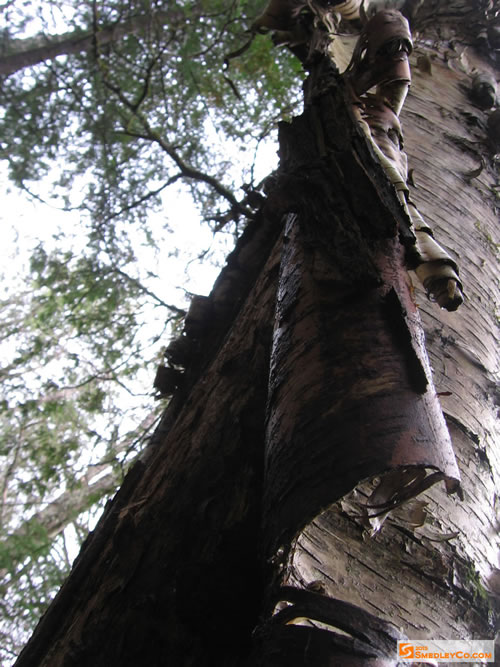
188	564
20	53
177	546
439	579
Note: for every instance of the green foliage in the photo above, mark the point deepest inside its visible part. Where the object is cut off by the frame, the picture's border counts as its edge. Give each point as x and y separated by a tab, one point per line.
85	110
102	130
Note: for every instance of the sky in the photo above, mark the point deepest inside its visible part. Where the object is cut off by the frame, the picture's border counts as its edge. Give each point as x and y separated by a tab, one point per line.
25	223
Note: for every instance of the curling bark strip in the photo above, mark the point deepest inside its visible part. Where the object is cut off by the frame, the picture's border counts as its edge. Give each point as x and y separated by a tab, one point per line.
366	639
338	415
380	60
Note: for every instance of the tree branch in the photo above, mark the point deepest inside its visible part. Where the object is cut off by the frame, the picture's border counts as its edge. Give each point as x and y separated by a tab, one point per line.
187	170
156	298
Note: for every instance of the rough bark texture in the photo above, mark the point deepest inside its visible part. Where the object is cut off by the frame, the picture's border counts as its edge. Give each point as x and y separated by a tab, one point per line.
439	579
176	572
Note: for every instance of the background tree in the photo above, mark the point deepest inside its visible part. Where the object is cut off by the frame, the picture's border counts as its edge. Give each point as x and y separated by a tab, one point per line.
104	107
187	579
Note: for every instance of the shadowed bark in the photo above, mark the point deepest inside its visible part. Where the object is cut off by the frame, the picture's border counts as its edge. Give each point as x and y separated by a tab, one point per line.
351	394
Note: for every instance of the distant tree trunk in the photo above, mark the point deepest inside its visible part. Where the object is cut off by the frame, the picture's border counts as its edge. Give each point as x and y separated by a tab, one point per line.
208	537
17	54
98	481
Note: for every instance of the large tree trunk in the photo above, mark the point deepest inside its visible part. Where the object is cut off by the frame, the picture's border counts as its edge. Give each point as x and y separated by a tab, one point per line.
187	562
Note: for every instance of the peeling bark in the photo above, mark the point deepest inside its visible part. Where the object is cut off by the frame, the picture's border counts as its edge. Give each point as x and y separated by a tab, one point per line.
363	639
351	395
433	568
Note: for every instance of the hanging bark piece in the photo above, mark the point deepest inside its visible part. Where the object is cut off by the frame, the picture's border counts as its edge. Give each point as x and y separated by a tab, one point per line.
374	632
180	350
349	10
287	638
484	89
306	27
296	646
281	15
337	416
380	59
166	380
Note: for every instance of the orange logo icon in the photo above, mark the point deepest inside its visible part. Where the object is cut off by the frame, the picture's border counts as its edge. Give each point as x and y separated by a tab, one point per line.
406	650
